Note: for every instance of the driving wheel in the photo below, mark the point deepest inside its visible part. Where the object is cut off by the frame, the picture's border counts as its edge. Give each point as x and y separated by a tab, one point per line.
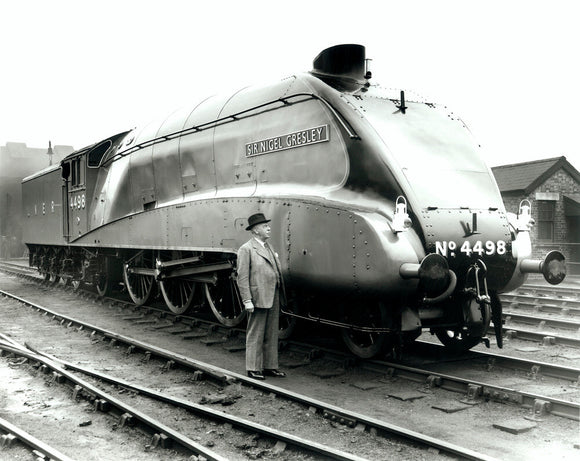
224	300
139	278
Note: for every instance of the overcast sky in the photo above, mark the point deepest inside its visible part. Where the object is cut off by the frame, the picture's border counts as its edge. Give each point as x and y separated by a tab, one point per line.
75	72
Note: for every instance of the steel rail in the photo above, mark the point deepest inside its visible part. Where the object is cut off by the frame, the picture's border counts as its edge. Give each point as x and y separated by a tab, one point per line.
214	414
563	306
33	442
382	427
105	400
486	391
209	370
533	367
541	322
537	336
467	454
563	408
555	290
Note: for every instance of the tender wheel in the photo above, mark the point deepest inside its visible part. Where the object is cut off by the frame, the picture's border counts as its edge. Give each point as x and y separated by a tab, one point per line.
65	281
178	294
361	343
77	285
103	285
460	339
224	300
140	286
107	276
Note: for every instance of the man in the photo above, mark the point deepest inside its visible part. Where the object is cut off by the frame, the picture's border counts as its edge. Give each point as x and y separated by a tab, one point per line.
261	285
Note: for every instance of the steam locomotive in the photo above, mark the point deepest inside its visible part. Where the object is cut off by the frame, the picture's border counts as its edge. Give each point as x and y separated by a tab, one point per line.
385	216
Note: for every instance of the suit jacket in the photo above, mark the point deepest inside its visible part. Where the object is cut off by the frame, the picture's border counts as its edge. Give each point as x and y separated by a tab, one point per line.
258	274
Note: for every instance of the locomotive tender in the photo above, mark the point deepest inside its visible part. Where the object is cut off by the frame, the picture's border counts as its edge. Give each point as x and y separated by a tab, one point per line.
385	216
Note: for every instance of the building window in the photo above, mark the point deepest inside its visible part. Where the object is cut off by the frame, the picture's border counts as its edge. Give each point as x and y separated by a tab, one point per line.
546	212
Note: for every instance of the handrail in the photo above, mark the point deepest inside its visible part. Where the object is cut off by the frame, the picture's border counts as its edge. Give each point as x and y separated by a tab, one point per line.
233	117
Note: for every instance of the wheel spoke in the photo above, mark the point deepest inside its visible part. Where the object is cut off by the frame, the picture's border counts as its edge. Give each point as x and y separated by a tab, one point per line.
140	287
224	301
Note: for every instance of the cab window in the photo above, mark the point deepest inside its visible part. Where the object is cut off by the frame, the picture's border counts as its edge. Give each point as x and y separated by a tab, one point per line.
77	172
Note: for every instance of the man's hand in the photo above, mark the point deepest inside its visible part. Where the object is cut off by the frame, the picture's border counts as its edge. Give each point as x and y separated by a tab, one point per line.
249	306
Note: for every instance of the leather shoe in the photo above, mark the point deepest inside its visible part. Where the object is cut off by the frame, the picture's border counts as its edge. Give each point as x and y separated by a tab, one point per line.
256	375
277	373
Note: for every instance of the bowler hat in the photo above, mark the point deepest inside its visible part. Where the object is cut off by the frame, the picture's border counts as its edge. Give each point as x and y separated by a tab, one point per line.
257	218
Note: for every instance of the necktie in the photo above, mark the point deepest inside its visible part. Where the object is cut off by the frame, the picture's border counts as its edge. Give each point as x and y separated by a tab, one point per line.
273	257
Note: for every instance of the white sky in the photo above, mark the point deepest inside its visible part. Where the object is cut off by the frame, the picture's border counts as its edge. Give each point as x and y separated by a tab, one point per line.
74	72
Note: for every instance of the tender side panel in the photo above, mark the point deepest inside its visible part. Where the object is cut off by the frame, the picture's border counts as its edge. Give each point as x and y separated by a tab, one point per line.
42	202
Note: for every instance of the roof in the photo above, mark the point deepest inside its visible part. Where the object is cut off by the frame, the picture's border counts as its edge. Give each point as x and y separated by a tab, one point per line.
572	204
527	176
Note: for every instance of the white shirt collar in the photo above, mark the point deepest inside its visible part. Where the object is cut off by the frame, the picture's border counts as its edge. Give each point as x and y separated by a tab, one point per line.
260	242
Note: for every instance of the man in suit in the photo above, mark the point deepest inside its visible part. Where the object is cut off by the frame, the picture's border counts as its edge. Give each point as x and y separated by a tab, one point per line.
261	286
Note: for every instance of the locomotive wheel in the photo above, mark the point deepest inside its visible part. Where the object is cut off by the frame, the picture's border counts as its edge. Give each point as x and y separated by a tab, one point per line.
364	344
65	281
108	276
457	340
139	286
77	284
178	294
462	340
224	300
103	285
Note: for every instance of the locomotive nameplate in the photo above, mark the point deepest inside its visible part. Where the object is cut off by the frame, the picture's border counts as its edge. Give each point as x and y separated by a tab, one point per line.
288	141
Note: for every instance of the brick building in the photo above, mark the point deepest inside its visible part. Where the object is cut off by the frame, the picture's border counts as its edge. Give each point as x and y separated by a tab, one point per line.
553	188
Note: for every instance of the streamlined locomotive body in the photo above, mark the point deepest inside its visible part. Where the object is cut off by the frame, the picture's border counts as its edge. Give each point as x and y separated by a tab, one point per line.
386	219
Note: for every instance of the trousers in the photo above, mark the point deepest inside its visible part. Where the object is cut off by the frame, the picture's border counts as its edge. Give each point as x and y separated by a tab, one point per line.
262	337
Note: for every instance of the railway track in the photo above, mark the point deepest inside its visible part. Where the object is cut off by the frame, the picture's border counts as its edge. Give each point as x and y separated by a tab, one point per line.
196	328
543	322
161	434
569	307
472	389
35	447
533	368
533	404
551	291
349	418
107	402
193	327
